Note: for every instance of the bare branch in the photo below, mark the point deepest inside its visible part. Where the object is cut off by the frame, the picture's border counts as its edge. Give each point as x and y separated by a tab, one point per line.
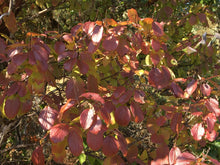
9	10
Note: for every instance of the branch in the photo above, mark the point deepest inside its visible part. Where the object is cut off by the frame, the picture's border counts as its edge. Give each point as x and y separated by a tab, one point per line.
9	10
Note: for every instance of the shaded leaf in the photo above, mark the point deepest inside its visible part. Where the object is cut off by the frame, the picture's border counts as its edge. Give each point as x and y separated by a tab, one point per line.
122	115
69	104
125	97
59	132
123	146
176	122
75	142
92	84
12	107
185	158
47	117
110	146
210	120
139	96
192	20
83	67
59	47
95	141
110	43
59	151
155	45
136	112
177	91
74	88
158	29
159	78
197	131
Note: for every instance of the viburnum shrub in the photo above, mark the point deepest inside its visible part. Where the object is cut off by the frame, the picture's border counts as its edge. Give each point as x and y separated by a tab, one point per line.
105	75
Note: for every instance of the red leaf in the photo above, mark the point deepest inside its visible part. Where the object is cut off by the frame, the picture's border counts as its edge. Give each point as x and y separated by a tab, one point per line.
88	27
205	89
59	132
2	46
176	122
75	29
159	78
95	141
12	68
155	45
192	20
123	47
145	48
210	120
12	107
125	97
161	121
19	58
93	47
212	105
191	87
155	58
139	96
96	126
136	112
132	153
59	47
93	96
69	64
118	92
47	117
97	34
197	131
70	103
86	118
83	67
75	142
185	158
173	154
38	156
92	84
123	146
74	88
133	15
110	43
113	160
122	115
106	110
211	136
202	18
110	146
178	92
158	29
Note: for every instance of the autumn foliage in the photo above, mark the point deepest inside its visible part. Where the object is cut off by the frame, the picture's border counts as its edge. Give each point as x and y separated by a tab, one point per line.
101	77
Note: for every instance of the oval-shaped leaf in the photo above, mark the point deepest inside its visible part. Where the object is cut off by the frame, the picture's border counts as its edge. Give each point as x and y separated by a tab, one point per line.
155	45
38	156
211	136
59	47
75	142
88	27
12	107
122	115
59	132
191	87
136	112
158	29
83	67
96	126
93	96
197	131
177	91
47	117
185	158
212	105
173	154
133	15
95	141
110	43
97	34
110	146
86	118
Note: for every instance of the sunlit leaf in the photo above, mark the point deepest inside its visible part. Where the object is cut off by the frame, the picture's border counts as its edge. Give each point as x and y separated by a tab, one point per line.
197	131
173	154
122	115
47	117
38	156
97	34
110	43
136	111
58	132
191	87
133	15
213	106
205	89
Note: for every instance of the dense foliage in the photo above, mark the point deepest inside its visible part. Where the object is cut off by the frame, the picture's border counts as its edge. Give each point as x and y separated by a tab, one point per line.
110	82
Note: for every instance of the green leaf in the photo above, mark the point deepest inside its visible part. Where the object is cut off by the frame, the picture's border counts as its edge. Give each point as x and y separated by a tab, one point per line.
82	158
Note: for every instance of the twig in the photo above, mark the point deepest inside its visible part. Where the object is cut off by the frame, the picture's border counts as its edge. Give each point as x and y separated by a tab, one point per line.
9	10
17	147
